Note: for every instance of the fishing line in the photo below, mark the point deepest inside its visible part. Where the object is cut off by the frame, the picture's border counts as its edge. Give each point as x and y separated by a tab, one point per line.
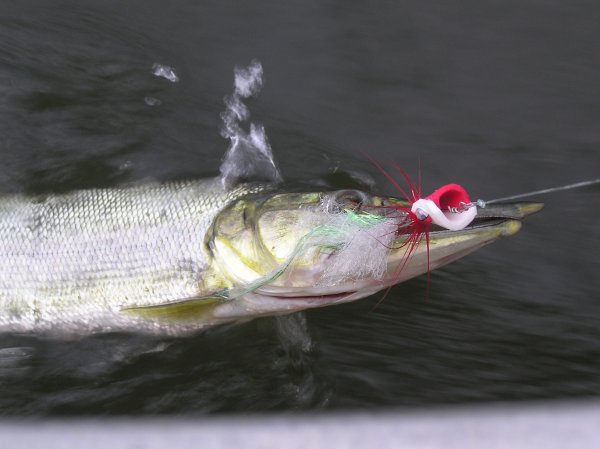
482	204
550	190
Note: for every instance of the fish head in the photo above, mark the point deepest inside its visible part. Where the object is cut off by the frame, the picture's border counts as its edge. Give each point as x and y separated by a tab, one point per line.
282	252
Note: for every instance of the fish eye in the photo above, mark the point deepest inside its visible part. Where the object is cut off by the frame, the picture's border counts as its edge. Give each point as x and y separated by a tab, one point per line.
350	198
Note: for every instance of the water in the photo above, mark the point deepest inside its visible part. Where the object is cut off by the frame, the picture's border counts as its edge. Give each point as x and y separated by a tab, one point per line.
500	97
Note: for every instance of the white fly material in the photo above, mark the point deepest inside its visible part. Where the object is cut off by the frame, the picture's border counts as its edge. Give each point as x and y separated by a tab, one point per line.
348	247
361	249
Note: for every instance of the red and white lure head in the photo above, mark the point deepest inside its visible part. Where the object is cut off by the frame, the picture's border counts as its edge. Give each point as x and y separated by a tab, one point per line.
448	207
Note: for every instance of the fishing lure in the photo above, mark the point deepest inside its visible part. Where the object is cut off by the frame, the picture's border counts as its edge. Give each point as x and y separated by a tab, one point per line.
448	207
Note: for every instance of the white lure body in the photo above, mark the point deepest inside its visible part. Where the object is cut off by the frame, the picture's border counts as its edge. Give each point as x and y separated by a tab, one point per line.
454	221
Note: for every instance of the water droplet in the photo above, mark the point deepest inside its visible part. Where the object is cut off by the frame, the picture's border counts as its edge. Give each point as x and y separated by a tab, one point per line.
151	101
165	71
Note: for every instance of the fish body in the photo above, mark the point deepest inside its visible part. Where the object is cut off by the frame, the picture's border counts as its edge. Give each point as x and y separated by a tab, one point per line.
78	259
178	256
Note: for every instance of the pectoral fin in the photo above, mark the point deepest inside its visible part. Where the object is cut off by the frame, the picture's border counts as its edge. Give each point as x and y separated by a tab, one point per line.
186	310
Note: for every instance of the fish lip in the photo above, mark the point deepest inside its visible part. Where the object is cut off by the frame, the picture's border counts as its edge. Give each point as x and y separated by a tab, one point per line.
516	211
497	215
477	223
485	227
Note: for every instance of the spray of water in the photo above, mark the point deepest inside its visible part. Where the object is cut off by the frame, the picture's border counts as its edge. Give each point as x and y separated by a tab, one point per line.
249	156
166	72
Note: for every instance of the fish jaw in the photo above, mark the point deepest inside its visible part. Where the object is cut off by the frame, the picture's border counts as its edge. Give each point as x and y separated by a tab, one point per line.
448	246
272	300
444	247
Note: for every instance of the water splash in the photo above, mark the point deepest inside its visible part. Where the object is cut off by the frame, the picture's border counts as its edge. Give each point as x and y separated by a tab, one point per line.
249	156
164	71
151	101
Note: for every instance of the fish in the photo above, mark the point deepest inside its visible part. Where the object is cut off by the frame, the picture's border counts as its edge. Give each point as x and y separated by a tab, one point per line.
176	257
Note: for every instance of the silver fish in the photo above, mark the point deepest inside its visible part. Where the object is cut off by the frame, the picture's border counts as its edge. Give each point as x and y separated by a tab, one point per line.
176	257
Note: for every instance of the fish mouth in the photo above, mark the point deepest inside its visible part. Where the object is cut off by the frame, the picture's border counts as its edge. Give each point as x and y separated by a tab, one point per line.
504	211
505	217
509	226
445	246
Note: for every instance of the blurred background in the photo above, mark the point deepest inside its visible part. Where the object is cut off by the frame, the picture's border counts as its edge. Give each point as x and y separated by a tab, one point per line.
501	97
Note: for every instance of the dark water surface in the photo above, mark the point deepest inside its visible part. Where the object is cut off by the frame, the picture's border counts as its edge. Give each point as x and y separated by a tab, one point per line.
502	97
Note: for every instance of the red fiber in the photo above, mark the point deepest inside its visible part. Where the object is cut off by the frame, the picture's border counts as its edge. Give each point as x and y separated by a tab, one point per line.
410	225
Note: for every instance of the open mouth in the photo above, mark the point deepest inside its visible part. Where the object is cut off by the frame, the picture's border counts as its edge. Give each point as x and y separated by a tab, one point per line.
477	223
496	215
491	223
